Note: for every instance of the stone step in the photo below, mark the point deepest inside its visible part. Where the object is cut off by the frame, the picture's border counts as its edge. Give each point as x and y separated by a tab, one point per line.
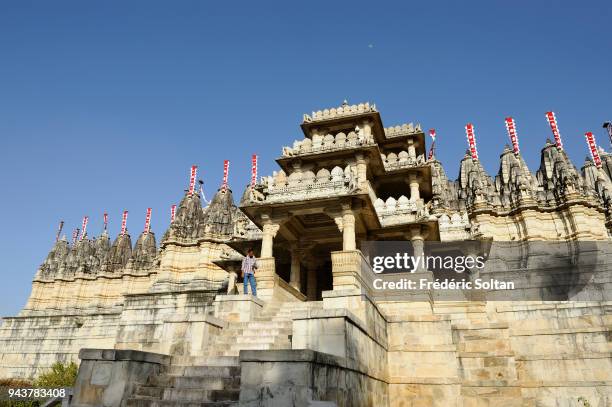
200	395
260	339
259	346
179	381
264	325
252	332
205	361
220	371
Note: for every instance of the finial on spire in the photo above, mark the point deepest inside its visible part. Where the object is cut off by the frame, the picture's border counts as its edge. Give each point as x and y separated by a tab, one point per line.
511	127
590	138
59	230
172	213
124	222
345	103
192	179
105	221
225	175
84	227
147	227
253	170
469	131
75	235
552	121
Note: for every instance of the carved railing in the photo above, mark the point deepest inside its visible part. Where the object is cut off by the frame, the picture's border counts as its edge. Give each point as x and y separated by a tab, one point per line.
401	160
305	191
305	185
321	144
342	111
403	130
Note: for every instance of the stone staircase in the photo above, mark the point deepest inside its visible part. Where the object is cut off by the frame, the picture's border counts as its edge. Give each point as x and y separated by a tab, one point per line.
214	379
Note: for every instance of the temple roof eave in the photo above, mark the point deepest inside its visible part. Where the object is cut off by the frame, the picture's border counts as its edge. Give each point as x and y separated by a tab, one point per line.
372	150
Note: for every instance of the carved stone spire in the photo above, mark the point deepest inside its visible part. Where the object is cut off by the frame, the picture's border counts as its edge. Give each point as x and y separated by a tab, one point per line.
445	192
145	251
119	253
220	215
514	183
56	257
557	176
189	220
475	185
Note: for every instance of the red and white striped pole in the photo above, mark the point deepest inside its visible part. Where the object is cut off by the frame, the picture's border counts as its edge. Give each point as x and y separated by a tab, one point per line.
84	227
124	222
192	179
172	213
469	131
590	138
105	221
147	227
552	121
511	127
75	235
253	170
225	175
432	134
59	230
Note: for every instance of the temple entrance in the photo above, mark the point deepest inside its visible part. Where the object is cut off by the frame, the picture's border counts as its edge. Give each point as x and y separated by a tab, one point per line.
302	252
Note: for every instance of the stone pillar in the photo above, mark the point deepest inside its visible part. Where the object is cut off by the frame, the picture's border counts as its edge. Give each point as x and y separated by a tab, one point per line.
367	128
362	170
411	149
294	278
267	241
348	230
311	283
417	236
413	180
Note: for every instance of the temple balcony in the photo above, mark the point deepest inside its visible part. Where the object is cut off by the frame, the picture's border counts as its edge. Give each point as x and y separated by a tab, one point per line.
306	185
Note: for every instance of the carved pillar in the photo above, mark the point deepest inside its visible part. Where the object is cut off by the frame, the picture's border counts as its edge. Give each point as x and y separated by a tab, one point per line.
362	170
294	277
413	181
269	232
367	129
311	282
411	149
348	229
417	236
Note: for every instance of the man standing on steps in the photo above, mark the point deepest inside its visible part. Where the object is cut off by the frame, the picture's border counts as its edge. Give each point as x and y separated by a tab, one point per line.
249	265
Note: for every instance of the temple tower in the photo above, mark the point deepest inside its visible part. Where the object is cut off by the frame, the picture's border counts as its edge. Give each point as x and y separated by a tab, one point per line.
348	180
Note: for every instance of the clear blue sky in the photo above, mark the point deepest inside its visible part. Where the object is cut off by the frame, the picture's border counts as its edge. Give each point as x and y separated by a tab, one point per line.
105	105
